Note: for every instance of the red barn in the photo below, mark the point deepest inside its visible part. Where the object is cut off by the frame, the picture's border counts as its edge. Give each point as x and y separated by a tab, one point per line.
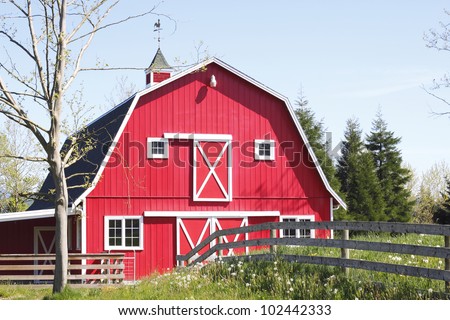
208	148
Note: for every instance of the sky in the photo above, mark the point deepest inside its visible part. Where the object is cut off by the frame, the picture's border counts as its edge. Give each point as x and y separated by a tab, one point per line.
349	58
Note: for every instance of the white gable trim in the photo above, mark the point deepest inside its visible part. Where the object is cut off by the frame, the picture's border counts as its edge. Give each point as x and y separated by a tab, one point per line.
237	73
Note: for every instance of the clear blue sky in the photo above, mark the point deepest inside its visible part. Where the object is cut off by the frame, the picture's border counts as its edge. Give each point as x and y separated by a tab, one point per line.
350	57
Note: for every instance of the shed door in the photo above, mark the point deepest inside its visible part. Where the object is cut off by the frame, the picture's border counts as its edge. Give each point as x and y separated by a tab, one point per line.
44	243
212	170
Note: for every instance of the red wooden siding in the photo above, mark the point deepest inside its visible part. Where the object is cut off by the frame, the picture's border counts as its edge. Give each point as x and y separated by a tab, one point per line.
132	184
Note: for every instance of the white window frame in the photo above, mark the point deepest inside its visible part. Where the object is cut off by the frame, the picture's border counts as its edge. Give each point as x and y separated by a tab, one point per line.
151	155
258	144
297	231
123	246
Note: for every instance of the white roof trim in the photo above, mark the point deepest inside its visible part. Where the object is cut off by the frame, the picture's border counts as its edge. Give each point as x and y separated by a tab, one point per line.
198	136
239	74
28	215
209	214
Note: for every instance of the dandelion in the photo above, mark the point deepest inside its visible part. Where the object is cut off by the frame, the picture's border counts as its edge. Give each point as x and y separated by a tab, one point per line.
440	261
275	269
291	289
335	291
247	284
233	274
430	290
419	241
275	262
425	260
413	256
253	275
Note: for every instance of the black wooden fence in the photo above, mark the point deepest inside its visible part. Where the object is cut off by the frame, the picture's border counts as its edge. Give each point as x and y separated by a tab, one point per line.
217	245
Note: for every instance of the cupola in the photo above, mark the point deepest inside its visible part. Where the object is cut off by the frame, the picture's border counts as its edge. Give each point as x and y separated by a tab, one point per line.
158	71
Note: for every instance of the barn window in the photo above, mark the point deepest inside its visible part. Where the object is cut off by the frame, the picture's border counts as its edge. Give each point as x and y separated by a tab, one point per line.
157	148
264	150
297	233
123	233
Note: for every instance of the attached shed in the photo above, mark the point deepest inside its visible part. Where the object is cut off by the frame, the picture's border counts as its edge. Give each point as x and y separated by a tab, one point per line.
205	149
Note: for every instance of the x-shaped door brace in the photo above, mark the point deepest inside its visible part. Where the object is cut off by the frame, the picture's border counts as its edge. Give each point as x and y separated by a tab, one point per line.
212	172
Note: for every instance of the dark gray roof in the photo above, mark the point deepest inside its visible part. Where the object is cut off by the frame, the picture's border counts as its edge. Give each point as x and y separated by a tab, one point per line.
101	133
159	62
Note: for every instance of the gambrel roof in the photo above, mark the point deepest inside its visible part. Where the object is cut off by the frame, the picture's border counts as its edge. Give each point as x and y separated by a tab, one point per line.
108	128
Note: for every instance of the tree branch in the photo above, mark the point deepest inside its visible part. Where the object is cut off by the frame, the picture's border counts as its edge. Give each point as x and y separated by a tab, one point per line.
31	159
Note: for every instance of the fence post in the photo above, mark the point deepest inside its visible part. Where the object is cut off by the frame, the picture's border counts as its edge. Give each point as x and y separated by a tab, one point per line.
273	235
221	250
345	253
447	263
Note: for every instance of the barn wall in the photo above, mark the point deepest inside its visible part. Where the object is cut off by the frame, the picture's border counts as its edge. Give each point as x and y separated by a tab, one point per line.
235	107
17	237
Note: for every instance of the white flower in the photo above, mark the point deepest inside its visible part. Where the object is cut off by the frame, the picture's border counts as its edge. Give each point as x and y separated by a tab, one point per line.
233	274
247	284
335	291
291	289
430	290
413	256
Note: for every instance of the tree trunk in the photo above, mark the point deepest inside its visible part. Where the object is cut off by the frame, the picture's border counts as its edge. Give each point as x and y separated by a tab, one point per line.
61	211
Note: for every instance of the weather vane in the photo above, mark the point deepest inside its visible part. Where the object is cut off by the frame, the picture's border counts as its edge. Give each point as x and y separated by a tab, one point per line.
157	27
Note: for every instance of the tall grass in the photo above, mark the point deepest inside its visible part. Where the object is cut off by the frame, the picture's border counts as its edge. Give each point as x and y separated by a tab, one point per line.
276	279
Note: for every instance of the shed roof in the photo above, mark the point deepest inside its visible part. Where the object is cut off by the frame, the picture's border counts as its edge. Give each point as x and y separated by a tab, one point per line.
102	133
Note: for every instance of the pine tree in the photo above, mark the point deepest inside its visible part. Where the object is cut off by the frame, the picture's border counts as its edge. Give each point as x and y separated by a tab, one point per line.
392	176
356	173
315	133
442	214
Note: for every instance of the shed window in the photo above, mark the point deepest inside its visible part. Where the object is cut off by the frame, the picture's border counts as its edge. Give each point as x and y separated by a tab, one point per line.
157	148
264	150
123	233
297	233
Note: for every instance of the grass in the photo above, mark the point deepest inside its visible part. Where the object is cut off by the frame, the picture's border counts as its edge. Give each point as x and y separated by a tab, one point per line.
271	279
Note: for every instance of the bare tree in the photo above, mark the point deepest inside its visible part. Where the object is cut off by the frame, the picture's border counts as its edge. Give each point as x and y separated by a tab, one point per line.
53	35
440	41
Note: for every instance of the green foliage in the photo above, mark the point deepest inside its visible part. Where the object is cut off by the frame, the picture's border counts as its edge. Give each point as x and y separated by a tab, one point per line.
442	213
428	194
356	172
392	176
315	132
17	177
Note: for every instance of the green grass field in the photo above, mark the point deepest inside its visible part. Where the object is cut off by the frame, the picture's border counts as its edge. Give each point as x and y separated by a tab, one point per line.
272	279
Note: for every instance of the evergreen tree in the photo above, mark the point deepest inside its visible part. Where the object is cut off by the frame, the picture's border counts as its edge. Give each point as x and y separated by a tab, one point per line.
442	214
392	176
315	133
356	173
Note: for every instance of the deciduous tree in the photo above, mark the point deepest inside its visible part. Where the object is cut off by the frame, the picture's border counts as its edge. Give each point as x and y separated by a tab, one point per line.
51	38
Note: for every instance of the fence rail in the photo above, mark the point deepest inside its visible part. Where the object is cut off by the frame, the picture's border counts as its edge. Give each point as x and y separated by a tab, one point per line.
83	268
217	245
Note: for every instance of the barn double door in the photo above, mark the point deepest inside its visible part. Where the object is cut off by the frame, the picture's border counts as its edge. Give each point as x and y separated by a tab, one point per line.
191	231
